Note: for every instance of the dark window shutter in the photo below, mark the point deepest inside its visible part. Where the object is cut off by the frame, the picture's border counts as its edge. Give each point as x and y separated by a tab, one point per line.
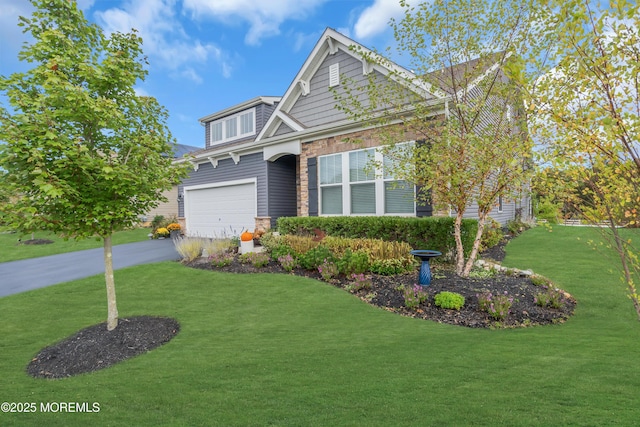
423	208
312	172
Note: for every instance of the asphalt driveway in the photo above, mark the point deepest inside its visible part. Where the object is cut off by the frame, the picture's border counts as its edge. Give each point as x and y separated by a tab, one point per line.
24	275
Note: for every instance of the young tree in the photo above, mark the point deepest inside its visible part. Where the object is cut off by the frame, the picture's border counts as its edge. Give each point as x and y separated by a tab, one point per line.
585	96
83	155
462	56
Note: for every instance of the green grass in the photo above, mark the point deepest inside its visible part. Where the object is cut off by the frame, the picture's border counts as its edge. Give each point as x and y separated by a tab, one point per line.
12	251
284	350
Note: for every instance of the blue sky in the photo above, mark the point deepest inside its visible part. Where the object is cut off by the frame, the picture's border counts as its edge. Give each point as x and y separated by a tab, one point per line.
208	55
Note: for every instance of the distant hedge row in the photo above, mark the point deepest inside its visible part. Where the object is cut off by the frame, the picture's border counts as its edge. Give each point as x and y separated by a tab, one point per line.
435	233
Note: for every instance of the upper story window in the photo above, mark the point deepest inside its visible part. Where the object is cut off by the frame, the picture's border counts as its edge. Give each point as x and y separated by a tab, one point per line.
233	127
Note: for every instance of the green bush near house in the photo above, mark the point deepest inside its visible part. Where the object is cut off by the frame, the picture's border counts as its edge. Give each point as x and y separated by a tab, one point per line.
434	233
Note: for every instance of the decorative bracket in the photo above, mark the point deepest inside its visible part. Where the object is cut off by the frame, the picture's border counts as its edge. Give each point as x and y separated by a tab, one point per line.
213	161
235	156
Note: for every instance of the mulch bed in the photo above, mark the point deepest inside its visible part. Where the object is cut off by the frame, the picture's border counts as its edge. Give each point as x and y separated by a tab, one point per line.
96	348
384	293
35	242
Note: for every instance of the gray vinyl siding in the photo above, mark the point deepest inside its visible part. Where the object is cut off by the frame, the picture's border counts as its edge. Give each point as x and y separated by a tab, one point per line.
281	188
263	112
250	166
508	212
318	107
283	129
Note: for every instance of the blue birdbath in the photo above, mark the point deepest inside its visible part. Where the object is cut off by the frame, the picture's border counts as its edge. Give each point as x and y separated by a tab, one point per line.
424	278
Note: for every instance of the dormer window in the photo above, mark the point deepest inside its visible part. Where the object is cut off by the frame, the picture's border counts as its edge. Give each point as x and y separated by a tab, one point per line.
237	126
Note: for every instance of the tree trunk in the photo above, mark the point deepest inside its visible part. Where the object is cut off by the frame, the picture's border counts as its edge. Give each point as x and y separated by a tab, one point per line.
482	220
457	232
112	309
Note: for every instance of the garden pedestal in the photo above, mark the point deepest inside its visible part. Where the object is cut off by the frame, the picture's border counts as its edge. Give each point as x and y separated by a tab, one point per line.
424	277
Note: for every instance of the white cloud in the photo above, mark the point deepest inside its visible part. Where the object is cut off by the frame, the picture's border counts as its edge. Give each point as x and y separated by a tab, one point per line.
375	18
10	34
165	40
264	17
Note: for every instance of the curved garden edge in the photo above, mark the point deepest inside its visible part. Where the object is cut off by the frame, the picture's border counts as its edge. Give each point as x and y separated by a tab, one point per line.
383	292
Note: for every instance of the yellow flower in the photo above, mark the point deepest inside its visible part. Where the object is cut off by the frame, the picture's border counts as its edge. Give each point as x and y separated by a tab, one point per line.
163	232
173	226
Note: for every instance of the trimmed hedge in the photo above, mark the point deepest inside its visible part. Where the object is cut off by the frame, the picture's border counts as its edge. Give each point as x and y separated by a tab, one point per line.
435	233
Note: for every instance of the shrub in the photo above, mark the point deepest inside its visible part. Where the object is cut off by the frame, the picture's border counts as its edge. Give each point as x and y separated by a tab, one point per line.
189	248
257	259
496	305
413	296
287	262
450	300
328	270
157	222
353	262
299	244
492	234
550	297
313	258
420	233
390	267
517	226
221	259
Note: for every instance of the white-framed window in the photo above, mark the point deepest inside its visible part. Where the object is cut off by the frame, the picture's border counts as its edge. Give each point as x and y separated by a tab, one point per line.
233	127
351	184
399	195
331	184
500	204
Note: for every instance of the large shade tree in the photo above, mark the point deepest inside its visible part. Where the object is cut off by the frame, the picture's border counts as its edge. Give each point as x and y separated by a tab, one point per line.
585	97
462	56
82	154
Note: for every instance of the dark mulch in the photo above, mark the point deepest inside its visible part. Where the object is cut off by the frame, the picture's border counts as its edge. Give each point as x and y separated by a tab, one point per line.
95	348
384	293
35	242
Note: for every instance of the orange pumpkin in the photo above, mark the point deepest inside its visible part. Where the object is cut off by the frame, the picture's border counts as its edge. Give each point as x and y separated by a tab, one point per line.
246	236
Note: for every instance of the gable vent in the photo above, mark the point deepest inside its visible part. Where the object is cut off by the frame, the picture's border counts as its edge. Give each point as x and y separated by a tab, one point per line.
334	75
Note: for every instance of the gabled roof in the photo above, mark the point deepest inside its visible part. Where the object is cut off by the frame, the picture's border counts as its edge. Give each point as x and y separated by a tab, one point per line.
330	43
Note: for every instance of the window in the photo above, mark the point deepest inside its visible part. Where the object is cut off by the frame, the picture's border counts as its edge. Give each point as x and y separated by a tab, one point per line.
233	127
246	123
362	179
216	131
350	184
500	205
331	184
399	195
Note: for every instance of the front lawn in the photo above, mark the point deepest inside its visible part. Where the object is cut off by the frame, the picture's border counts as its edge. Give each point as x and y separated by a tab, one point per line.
13	249
267	349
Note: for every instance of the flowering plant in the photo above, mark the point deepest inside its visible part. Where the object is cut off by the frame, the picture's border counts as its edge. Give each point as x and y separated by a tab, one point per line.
414	296
328	270
287	262
162	232
496	305
174	226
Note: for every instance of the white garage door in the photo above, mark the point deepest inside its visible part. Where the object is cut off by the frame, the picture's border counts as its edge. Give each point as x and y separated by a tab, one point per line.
220	211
